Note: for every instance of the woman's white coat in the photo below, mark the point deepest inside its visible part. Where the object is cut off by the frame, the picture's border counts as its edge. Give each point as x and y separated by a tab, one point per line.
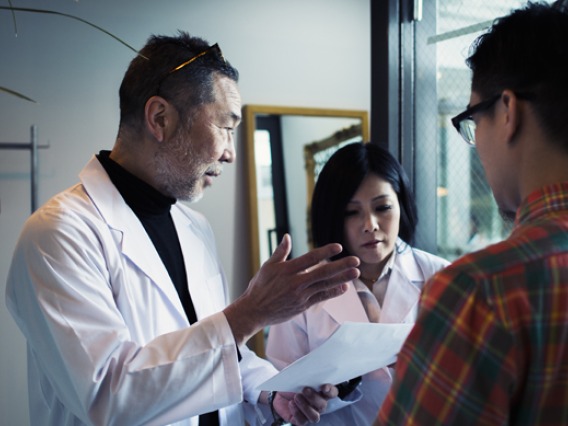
293	339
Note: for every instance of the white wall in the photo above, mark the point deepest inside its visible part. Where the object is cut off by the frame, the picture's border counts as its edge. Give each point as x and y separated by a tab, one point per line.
292	53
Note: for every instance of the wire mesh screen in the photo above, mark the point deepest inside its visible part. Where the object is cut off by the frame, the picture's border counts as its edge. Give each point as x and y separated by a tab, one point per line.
467	217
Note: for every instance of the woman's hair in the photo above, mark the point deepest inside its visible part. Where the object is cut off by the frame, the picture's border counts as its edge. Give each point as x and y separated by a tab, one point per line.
339	180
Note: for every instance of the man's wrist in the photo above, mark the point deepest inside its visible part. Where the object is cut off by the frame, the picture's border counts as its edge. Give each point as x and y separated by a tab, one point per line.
242	326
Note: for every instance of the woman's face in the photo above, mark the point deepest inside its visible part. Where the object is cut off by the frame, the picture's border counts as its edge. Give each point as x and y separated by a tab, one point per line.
372	221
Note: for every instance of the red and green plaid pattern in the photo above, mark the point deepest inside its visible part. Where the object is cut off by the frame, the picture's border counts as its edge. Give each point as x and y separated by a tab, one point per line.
490	346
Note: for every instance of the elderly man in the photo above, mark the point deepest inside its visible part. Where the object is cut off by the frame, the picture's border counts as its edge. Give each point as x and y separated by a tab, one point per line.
117	286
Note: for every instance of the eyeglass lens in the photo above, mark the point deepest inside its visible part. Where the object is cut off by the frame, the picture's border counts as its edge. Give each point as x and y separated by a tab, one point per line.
467	130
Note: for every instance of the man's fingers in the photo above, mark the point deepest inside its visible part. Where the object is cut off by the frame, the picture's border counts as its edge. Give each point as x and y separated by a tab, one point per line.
327	294
329	277
313	399
329	391
282	250
313	257
310	405
344	269
297	417
327	283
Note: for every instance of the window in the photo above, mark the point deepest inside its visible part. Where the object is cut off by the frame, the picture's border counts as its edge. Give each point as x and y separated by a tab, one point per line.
452	194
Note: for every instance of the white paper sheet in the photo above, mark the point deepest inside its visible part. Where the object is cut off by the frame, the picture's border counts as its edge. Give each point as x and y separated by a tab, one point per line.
353	350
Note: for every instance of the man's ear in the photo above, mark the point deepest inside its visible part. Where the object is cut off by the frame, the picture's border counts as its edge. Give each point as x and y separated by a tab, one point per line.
512	113
158	117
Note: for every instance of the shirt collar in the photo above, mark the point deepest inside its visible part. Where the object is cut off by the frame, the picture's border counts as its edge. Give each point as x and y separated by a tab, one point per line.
141	197
548	199
388	266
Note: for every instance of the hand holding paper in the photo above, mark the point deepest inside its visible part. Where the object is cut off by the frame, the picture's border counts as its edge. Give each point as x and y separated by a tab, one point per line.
352	350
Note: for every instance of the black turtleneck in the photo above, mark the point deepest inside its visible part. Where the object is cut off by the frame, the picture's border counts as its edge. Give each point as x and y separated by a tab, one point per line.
153	209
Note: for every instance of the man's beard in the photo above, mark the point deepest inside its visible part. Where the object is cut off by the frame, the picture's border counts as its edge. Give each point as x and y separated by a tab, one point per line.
172	162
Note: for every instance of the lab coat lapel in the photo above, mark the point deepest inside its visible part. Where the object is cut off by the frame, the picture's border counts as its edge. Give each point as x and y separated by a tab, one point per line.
346	307
193	250
403	291
127	230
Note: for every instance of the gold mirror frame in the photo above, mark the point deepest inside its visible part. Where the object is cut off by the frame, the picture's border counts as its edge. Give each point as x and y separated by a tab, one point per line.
250	113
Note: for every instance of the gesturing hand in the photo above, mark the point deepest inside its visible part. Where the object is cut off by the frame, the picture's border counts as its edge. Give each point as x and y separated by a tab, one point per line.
284	288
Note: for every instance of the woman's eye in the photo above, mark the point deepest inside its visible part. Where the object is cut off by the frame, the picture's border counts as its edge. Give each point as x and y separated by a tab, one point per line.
350	212
383	208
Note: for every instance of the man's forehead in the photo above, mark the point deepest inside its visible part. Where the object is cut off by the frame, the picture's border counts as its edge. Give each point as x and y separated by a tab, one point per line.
227	93
230	115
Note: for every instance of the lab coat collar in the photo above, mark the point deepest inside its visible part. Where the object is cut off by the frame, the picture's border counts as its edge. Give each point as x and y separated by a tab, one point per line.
346	307
405	284
403	291
127	229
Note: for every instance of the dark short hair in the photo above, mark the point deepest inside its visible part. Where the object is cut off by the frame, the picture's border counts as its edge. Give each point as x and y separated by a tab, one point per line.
340	178
527	52
149	74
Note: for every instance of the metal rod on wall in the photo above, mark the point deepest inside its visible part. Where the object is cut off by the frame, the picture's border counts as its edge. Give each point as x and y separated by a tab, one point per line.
33	147
33	167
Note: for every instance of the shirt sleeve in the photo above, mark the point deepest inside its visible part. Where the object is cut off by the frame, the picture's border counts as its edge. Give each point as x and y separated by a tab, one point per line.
457	365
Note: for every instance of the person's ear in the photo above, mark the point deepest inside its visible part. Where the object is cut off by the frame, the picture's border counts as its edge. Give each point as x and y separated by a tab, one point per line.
158	117
511	114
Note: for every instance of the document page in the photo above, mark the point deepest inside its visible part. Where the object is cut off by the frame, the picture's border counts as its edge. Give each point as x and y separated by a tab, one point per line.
352	350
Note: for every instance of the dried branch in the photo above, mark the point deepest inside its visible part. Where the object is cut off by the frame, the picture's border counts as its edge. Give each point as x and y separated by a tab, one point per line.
17	94
53	12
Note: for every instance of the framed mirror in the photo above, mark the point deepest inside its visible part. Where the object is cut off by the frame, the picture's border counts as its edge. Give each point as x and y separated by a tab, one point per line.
285	150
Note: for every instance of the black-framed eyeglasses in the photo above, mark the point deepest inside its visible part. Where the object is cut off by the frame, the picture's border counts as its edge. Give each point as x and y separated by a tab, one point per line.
464	123
213	49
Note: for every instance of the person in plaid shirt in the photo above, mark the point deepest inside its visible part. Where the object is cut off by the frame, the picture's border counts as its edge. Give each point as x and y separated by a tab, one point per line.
490	345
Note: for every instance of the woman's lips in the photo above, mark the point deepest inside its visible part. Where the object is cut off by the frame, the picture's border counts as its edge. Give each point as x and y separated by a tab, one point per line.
371	244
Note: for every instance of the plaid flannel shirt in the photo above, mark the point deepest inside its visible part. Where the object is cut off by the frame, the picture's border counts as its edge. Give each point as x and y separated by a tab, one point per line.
490	345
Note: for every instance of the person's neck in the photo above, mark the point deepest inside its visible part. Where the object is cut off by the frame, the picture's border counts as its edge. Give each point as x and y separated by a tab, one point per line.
370	272
136	160
545	164
142	198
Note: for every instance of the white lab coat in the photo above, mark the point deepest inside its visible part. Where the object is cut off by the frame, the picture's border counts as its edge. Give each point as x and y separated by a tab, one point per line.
293	339
108	340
